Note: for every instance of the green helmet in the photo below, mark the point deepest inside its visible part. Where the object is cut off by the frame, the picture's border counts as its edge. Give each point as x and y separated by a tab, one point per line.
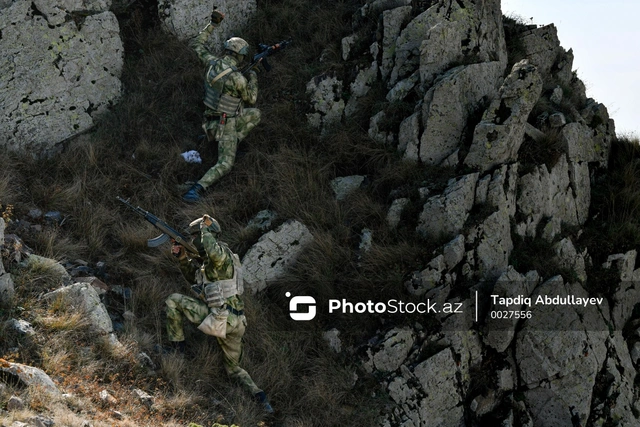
237	45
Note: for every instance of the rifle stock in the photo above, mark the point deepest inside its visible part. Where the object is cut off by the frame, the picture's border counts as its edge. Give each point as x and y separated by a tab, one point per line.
168	232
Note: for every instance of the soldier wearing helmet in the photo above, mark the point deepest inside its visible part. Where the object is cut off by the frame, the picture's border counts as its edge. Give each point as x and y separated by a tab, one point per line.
218	309
227	90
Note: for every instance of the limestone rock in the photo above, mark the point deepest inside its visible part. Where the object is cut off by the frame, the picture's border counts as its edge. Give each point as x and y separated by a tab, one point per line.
332	337
185	18
564	192
511	284
408	137
59	74
376	131
345	185
495	245
7	289
326	101
392	22
445	215
360	87
499	135
437	377
449	104
446	34
453	252
568	257
84	297
393	350
627	294
559	353
29	376
274	252
542	48
395	212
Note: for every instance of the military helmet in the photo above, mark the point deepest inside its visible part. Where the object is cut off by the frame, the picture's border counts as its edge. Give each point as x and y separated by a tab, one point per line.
237	45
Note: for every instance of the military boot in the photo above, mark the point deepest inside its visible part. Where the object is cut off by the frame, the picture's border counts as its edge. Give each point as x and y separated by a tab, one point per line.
193	195
262	398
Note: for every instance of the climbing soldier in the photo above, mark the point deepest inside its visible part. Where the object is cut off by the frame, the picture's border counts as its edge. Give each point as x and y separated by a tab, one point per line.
226	91
215	276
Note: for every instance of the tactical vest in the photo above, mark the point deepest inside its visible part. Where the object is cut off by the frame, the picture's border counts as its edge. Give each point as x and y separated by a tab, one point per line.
214	97
215	293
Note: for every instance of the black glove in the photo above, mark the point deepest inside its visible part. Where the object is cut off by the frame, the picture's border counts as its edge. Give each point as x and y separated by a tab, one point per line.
216	17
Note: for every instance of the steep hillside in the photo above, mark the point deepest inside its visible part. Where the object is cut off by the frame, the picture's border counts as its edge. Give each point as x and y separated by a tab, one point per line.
432	173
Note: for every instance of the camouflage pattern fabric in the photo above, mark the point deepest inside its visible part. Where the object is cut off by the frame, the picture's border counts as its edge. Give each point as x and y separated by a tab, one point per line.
236	128
180	306
218	265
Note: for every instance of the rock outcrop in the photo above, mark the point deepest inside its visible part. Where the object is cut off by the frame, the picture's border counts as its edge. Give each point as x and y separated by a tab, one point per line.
61	63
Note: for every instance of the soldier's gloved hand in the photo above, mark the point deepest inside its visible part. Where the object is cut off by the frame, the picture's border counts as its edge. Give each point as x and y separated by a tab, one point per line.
216	17
177	250
206	221
257	68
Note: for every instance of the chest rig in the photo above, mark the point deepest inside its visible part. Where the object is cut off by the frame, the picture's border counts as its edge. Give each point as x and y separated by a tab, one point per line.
215	293
214	97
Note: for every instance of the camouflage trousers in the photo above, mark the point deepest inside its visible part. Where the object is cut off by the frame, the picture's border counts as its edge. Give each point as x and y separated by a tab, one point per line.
180	306
235	130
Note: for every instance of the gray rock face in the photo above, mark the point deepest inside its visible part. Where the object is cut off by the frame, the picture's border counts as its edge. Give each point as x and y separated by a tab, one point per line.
448	33
494	246
274	252
450	102
445	215
185	18
393	351
392	21
564	193
497	138
580	146
542	48
58	74
627	294
559	353
437	377
7	289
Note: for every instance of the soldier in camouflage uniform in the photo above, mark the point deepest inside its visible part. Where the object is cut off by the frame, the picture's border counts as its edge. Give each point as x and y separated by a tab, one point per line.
226	91
216	278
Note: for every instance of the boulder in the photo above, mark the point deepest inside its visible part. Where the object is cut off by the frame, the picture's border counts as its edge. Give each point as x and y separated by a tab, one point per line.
392	23
273	253
29	376
448	105
344	186
393	350
84	297
499	135
185	18
61	63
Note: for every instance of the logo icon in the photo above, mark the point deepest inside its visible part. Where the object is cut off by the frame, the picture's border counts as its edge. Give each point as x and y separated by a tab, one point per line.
303	302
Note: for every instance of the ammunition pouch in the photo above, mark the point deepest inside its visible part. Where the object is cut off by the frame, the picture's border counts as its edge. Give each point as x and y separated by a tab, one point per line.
215	323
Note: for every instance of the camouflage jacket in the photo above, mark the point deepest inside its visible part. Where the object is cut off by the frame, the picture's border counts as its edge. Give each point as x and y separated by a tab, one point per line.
218	265
236	85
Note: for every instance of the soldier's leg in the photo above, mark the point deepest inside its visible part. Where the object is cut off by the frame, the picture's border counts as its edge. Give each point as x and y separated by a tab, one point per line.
247	121
180	306
232	353
227	146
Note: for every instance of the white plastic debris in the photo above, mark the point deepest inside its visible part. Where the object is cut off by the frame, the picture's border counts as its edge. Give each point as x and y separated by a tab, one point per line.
191	156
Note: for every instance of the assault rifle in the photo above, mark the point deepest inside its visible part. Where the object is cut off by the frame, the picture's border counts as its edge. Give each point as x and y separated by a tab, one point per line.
264	51
168	232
